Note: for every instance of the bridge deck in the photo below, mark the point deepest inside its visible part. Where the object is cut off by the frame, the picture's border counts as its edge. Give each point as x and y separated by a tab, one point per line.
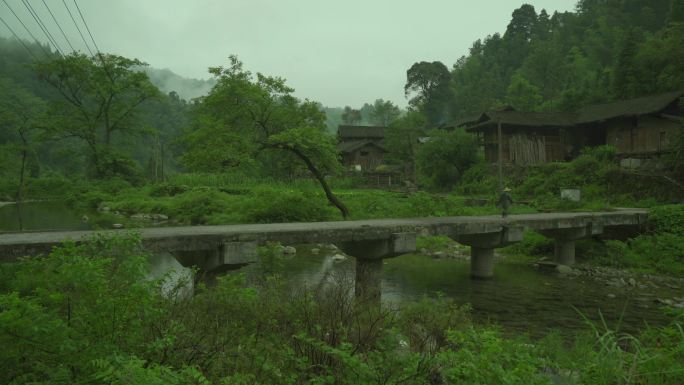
13	245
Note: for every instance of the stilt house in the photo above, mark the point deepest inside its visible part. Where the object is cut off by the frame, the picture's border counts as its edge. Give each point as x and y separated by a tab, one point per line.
362	147
640	127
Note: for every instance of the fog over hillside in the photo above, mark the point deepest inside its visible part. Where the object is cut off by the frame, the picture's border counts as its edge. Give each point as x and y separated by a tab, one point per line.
187	88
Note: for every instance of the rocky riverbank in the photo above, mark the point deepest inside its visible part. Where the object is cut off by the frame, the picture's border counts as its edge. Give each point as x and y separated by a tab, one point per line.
647	289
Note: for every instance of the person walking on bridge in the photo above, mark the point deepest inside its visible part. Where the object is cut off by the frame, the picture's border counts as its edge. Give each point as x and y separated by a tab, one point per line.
505	202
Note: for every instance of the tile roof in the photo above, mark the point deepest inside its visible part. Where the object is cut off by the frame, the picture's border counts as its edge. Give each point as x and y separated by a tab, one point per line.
588	114
361	132
353	145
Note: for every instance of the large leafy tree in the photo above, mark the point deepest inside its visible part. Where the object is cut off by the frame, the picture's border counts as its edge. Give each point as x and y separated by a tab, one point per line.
429	83
100	96
245	115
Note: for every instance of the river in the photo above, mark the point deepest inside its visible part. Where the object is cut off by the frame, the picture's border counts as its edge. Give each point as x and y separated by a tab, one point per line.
520	298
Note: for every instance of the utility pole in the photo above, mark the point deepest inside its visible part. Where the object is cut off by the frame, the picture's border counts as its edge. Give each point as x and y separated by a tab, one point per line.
500	155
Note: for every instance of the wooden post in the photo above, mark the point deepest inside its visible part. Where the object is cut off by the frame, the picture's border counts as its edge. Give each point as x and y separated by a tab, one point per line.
500	156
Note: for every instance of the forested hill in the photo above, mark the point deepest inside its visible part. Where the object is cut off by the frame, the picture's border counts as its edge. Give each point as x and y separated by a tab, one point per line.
186	88
605	50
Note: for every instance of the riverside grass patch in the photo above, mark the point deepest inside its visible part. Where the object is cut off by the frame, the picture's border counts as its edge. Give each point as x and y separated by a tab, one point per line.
229	204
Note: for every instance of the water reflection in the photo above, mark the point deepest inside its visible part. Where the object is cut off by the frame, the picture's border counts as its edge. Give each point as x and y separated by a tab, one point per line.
44	215
519	298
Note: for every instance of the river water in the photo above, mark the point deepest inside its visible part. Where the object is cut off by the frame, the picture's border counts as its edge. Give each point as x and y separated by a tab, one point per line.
43	215
520	297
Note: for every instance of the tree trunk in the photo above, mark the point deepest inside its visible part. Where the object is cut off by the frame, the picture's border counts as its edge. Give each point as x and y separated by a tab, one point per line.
321	180
20	189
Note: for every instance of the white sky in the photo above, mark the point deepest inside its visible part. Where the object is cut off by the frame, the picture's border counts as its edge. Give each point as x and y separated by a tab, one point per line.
335	52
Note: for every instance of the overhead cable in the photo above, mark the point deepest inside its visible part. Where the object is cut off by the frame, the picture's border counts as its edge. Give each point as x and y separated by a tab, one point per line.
26	28
59	26
86	25
77	28
17	37
42	26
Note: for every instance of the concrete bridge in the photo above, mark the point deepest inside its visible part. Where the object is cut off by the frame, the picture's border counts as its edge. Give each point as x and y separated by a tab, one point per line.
368	241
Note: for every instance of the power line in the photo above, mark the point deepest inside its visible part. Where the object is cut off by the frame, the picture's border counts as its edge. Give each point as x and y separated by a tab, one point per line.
59	26
42	26
17	37
77	28
86	25
26	28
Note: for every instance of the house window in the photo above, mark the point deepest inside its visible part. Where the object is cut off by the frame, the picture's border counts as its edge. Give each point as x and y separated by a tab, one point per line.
364	153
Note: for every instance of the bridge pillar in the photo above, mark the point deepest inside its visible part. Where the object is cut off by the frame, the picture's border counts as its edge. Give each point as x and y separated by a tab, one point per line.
482	248
232	254
369	255
565	238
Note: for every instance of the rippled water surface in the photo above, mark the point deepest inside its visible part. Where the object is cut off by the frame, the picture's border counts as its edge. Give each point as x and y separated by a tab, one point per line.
521	298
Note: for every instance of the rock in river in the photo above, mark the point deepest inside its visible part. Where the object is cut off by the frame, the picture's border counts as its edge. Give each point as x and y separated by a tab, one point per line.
289	250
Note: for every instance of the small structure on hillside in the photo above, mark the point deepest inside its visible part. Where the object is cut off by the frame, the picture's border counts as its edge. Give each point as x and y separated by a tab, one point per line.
362	147
640	127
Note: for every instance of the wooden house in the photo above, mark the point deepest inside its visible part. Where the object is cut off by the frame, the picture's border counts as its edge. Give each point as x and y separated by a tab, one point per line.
639	127
362	147
636	127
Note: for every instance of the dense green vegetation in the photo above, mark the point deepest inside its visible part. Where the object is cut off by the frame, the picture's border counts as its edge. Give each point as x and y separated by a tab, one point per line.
605	50
99	134
88	314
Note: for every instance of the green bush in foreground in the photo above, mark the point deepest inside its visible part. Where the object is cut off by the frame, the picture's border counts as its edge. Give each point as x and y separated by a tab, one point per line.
89	314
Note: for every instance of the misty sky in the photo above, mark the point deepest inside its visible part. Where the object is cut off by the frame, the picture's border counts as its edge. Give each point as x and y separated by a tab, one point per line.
344	52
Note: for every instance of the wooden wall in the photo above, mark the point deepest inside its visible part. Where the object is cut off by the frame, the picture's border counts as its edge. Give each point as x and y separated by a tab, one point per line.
525	146
368	157
643	135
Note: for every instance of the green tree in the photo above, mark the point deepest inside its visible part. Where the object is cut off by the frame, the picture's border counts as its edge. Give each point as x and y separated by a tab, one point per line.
351	116
401	140
430	83
445	157
676	11
244	115
22	115
522	95
384	112
100	96
626	78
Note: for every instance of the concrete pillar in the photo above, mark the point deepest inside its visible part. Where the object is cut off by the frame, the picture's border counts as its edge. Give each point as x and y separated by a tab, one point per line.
369	254
482	247
564	238
564	252
481	262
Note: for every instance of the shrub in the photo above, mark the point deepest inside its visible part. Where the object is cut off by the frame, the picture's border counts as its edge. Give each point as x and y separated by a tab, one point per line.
276	206
442	161
198	205
666	219
167	190
532	244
